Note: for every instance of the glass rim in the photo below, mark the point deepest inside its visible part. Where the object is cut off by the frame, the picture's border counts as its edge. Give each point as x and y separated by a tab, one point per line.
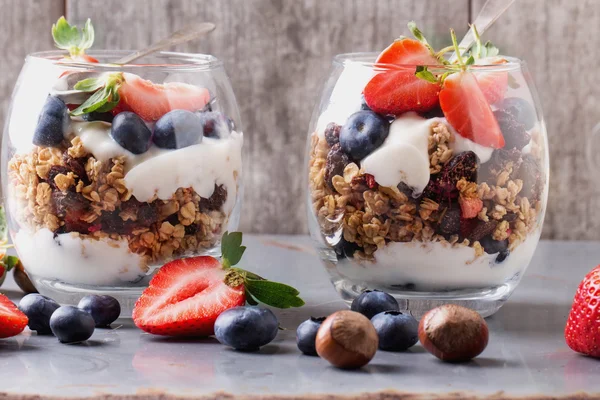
362	58
174	61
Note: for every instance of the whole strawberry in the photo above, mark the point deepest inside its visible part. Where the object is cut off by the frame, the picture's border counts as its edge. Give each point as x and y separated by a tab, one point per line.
582	332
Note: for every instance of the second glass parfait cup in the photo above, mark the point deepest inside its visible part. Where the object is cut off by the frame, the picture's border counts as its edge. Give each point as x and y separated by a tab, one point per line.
431	206
110	171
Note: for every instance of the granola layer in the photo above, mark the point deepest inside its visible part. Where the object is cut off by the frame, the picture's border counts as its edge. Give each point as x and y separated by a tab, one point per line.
503	195
66	190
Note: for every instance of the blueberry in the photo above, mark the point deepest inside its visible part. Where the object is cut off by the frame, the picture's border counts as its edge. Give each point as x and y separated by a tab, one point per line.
131	132
306	335
246	328
492	246
396	331
363	132
38	309
177	129
98	116
521	109
52	124
104	309
502	256
345	249
372	302
71	325
215	124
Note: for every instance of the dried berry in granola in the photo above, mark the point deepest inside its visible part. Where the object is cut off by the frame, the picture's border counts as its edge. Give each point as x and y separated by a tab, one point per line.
443	185
492	246
503	160
69	203
332	133
147	214
54	171
345	249
514	132
482	229
77	166
450	222
216	200
336	162
531	175
111	222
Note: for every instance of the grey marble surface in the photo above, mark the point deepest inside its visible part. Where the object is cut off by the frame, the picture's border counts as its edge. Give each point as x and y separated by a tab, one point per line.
526	355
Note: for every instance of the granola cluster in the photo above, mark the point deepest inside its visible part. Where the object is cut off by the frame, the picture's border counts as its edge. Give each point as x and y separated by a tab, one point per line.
68	190
465	203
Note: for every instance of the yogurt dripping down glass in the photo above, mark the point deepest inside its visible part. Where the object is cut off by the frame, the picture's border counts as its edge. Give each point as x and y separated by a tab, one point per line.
424	212
91	212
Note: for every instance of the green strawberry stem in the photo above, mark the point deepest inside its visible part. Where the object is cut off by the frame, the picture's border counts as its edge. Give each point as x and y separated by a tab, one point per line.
69	37
106	93
459	58
258	289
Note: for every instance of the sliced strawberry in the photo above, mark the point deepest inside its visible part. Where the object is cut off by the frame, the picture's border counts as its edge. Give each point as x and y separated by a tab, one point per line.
12	321
151	101
185	298
467	110
493	85
398	91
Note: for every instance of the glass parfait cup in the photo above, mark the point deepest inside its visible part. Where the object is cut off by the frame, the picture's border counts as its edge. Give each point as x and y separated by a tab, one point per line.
97	201
417	210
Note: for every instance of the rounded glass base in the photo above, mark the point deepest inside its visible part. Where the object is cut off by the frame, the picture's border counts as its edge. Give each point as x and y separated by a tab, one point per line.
70	294
485	300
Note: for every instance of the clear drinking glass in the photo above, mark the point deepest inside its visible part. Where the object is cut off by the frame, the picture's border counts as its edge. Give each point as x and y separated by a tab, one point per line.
426	214
99	208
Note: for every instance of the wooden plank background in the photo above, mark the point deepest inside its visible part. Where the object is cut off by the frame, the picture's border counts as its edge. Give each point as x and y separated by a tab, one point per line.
278	51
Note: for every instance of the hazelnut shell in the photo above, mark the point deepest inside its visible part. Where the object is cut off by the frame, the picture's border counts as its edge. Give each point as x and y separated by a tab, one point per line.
453	333
347	339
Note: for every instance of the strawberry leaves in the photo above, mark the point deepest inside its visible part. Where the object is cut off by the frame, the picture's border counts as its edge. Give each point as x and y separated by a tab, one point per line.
106	96
69	37
258	289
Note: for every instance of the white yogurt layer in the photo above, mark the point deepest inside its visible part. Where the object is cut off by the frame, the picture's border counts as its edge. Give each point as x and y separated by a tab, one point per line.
70	258
403	156
439	266
346	97
160	172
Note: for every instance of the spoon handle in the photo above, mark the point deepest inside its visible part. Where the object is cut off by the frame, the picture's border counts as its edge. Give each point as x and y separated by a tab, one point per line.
491	11
186	34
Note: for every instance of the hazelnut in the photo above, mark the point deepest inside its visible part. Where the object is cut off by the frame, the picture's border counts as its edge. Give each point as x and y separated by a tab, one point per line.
22	280
347	339
453	333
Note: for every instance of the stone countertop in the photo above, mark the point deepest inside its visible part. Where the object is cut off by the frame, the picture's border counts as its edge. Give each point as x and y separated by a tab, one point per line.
526	356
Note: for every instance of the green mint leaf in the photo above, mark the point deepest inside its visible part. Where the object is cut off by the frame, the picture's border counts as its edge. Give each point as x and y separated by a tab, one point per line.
491	50
87	36
470	60
423	73
231	248
274	294
250	299
95	101
3	226
69	37
104	99
90	84
10	262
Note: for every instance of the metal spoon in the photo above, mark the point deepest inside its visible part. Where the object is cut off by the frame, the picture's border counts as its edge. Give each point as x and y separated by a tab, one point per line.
186	34
491	11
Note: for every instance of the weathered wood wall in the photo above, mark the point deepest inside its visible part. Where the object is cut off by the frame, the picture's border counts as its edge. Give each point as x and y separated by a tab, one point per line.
278	51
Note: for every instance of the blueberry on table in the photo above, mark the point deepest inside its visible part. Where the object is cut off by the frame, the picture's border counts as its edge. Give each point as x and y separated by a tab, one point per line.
38	309
104	309
215	124
71	325
396	331
306	335
521	109
177	129
131	132
246	328
363	133
372	302
52	124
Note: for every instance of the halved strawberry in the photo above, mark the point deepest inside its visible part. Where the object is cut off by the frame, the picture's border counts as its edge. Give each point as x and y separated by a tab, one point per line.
185	297
467	110
493	85
398	91
151	101
12	320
